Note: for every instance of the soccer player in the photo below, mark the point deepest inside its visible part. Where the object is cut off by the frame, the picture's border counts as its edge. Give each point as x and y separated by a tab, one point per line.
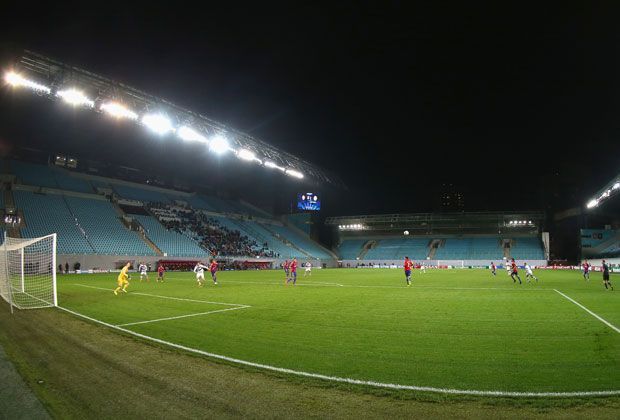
529	275
122	280
423	267
586	270
293	272
213	270
199	269
514	271
286	266
606	280
308	269
508	267
143	272
160	273
408	265
493	269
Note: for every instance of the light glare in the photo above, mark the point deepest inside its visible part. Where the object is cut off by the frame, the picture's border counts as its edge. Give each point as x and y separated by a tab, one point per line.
118	111
157	123
16	80
294	173
219	145
592	203
246	154
189	134
75	97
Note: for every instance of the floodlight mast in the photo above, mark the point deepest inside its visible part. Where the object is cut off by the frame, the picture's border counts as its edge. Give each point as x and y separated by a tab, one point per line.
100	90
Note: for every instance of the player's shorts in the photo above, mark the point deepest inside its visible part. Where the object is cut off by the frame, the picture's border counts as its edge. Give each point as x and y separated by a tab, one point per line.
160	274
200	276
121	282
407	273
286	271
294	273
605	276
308	269
213	273
143	273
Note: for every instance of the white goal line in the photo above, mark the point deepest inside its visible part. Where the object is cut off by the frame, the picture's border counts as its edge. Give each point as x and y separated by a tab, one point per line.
609	324
350	380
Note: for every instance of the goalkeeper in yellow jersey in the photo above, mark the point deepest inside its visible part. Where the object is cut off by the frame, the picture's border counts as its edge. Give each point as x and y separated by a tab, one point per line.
122	281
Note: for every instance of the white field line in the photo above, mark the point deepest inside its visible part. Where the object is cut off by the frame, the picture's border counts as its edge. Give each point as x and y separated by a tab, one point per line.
163	297
383	287
609	324
349	380
182	316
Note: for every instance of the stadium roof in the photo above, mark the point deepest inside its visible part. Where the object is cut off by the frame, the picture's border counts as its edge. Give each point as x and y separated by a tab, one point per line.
57	80
423	223
609	190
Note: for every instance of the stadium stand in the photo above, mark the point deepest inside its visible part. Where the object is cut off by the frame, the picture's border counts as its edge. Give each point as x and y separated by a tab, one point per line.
104	229
169	241
470	249
303	242
70	183
527	248
45	214
349	249
397	248
140	194
32	174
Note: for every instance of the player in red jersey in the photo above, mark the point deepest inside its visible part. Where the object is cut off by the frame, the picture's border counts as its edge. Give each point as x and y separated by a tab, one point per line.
586	270
493	269
213	270
293	268
408	265
160	273
515	271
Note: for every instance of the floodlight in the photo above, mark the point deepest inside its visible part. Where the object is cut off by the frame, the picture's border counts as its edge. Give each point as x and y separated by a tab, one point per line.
616	186
119	111
189	134
294	173
16	80
157	123
75	97
245	154
270	164
592	203
219	144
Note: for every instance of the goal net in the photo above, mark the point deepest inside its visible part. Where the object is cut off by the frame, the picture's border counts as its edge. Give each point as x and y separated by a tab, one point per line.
28	272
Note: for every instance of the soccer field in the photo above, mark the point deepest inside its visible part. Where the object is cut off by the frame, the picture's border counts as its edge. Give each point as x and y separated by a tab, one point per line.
452	329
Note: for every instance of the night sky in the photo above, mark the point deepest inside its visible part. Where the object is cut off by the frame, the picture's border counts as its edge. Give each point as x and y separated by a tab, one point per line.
517	106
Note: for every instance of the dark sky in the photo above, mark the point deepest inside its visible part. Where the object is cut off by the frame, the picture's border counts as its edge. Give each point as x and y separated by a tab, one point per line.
395	98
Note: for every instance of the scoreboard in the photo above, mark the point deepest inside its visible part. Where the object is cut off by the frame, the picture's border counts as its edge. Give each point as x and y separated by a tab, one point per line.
308	201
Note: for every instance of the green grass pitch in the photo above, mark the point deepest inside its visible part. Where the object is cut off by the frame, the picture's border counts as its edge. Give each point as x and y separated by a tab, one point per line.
459	329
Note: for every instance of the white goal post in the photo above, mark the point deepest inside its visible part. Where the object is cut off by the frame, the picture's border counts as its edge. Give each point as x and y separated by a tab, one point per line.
28	272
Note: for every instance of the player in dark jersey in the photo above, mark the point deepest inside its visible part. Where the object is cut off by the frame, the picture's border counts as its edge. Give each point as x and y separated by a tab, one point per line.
408	265
606	280
286	265
213	270
493	269
514	271
160	273
586	270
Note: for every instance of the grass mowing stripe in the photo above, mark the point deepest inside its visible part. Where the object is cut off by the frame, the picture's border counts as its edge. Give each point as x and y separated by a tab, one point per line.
182	316
165	297
610	325
349	380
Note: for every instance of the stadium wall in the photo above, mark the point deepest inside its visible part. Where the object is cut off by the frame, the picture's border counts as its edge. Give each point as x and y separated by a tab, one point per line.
435	263
110	262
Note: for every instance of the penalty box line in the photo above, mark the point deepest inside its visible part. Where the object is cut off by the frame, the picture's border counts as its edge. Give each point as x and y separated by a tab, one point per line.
483	393
609	324
182	316
166	297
